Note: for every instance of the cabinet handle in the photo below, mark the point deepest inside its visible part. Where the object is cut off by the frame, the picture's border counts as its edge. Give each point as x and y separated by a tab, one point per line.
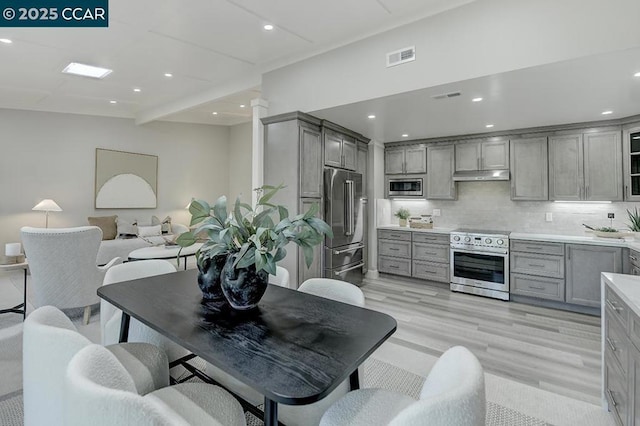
626	190
568	253
611	345
633	258
394	249
534	248
430	253
535	287
613	401
536	265
429	272
586	190
613	306
478	165
394	267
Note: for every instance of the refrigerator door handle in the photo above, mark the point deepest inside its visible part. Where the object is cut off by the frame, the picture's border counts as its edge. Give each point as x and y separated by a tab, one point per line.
360	265
339	252
348	207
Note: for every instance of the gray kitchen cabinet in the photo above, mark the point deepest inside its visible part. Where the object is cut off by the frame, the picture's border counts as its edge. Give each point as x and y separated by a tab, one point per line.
310	163
635	386
363	155
394	252
440	166
315	270
586	166
603	166
584	263
537	269
339	150
529	169
631	162
634	262
482	155
409	159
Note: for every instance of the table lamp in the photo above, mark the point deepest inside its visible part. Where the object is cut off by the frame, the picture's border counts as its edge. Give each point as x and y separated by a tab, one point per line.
47	206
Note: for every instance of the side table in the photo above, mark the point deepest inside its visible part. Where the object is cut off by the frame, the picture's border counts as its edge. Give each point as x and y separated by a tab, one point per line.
21	308
162	252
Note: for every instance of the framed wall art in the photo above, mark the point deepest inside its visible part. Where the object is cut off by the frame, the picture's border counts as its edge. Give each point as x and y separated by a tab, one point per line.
126	180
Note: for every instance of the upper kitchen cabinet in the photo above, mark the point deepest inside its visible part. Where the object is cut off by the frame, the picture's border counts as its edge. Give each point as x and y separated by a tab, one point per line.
363	155
585	167
440	184
340	150
482	155
632	162
529	169
408	159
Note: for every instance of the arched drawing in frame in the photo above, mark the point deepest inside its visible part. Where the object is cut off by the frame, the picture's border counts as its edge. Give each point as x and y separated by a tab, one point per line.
126	180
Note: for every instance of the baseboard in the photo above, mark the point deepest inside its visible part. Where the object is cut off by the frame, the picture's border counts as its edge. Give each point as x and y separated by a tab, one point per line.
372	273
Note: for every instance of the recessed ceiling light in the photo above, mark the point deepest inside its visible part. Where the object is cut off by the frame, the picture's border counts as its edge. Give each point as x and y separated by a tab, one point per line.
242	106
607	112
214	113
268	27
488	126
168	74
404	135
476	100
371	117
5	41
86	70
113	102
637	74
137	90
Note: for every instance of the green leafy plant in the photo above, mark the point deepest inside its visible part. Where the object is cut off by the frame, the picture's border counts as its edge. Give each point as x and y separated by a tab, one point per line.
258	236
634	218
402	213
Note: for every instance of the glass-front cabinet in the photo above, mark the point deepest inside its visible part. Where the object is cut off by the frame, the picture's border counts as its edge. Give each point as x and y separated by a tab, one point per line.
632	163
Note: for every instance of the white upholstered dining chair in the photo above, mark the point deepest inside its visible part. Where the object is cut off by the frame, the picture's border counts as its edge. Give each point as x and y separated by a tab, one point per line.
281	278
63	267
102	393
110	316
50	340
453	394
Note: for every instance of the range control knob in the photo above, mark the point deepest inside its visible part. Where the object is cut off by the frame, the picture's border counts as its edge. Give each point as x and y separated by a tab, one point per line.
467	239
500	242
487	240
456	238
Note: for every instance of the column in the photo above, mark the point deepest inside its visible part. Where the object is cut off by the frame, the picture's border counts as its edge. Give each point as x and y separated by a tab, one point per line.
260	110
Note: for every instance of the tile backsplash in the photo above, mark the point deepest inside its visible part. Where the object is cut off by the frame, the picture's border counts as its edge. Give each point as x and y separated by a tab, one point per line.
488	205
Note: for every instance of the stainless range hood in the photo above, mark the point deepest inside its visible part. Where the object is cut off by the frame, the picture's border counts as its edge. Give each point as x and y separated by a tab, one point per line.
475	175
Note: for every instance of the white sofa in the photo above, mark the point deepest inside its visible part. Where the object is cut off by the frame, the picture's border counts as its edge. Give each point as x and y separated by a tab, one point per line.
121	247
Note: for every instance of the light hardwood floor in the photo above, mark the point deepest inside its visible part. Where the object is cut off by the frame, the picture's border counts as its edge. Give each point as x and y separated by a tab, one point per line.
550	349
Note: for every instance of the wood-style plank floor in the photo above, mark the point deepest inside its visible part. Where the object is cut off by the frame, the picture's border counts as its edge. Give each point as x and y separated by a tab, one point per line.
550	349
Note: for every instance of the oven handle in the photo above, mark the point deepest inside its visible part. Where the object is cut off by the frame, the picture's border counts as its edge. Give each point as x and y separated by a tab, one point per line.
487	253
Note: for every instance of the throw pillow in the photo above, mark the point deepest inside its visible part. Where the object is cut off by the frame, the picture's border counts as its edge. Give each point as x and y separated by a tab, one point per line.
149	231
126	228
166	223
107	224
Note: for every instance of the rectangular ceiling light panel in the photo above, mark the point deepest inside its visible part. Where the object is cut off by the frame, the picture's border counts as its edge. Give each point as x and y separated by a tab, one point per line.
86	70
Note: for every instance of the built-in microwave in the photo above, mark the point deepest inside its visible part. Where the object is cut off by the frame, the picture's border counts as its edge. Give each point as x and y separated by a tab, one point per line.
405	187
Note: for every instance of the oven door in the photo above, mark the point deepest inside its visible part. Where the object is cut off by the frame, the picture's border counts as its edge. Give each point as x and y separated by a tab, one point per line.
484	270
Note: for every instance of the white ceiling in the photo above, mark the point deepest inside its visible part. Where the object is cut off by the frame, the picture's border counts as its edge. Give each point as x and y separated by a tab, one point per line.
565	92
203	43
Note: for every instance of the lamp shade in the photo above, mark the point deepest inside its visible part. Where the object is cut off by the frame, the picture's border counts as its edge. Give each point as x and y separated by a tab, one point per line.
47	205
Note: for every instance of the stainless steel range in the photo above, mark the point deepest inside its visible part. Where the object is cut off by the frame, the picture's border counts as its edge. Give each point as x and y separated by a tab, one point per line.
480	262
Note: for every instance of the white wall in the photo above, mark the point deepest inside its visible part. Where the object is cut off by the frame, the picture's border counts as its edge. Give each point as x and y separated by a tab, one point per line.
48	155
481	38
240	152
486	205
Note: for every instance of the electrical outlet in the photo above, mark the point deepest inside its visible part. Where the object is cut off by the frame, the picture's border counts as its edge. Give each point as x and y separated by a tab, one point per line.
436	212
610	216
548	217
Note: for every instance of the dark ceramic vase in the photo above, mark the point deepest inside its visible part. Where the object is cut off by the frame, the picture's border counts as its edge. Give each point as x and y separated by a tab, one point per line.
244	287
209	274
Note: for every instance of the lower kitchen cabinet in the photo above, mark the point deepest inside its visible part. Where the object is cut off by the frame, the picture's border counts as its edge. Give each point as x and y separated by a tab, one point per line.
584	263
421	255
537	269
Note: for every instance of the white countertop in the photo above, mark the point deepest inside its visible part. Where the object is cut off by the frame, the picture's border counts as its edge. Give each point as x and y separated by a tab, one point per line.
576	239
627	287
406	228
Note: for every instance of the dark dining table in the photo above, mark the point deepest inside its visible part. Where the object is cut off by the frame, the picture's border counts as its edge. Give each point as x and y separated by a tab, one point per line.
294	348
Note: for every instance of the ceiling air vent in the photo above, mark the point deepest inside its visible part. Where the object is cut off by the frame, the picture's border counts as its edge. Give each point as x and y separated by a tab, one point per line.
401	56
447	95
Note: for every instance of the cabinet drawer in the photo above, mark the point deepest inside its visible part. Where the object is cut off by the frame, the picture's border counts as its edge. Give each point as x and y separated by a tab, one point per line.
537	264
532	286
386	234
424	237
430	252
394	248
617	308
615	390
431	271
616	343
394	266
537	247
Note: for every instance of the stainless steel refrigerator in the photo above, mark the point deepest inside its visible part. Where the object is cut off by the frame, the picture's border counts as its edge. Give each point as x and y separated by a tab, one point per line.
345	212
